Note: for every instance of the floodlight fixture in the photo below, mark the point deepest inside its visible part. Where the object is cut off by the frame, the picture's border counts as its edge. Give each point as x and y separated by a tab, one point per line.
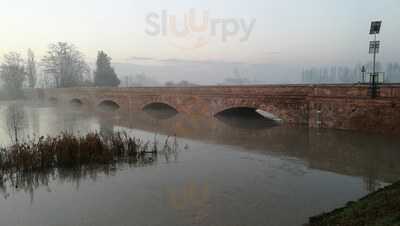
375	27
374	47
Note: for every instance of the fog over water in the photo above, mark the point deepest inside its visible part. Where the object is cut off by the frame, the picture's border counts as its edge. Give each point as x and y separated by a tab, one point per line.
225	172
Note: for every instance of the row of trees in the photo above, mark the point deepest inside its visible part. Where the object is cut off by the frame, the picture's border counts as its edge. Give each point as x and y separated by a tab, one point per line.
346	74
182	83
140	79
62	66
238	78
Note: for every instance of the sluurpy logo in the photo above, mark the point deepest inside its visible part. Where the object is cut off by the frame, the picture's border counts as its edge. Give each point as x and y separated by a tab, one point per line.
193	30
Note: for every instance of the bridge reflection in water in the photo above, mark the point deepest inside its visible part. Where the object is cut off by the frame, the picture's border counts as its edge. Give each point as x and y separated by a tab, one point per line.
230	171
358	154
370	156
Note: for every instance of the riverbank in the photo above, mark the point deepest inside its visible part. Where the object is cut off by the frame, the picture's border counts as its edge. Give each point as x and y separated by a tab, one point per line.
381	208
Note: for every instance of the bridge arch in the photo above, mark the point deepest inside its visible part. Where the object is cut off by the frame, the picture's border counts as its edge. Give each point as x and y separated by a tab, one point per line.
247	118
108	105
252	110
160	110
76	102
53	100
158	105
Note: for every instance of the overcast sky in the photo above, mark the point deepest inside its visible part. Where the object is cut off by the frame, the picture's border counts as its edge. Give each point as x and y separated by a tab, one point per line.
284	32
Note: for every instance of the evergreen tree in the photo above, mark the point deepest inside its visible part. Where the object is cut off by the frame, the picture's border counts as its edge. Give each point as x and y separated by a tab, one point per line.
105	74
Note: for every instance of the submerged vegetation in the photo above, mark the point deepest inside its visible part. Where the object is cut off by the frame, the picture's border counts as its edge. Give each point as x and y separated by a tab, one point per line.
71	151
381	208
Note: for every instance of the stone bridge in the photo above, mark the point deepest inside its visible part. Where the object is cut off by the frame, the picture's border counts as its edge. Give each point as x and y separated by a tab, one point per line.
326	106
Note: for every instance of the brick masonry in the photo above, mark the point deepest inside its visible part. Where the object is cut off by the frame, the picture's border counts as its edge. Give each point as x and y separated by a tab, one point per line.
334	106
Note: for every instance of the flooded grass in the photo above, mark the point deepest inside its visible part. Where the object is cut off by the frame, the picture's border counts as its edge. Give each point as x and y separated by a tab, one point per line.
71	151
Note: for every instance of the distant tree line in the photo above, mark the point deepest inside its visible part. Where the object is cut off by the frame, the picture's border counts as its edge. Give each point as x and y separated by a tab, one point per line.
62	66
347	74
139	80
182	83
238	78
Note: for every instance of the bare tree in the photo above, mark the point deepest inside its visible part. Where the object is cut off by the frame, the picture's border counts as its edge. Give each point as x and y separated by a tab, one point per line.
13	74
31	69
16	121
65	64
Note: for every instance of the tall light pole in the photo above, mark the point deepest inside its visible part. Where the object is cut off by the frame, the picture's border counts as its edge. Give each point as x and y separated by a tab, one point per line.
374	49
363	71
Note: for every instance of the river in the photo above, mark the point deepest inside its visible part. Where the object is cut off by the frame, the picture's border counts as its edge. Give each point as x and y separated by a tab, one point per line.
225	172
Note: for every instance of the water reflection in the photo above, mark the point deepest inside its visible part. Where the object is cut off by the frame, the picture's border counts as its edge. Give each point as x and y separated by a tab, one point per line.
16	121
106	126
28	181
343	152
372	157
225	174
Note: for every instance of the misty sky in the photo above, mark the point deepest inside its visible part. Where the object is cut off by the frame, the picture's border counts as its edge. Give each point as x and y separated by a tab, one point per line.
286	32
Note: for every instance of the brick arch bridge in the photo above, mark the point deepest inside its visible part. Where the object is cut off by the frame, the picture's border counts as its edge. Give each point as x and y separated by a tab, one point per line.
328	106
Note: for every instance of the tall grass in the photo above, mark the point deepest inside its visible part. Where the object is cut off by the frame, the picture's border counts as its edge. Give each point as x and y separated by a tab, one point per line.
71	151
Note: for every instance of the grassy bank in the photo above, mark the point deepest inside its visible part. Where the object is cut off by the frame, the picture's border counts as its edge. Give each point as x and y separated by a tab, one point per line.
381	208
